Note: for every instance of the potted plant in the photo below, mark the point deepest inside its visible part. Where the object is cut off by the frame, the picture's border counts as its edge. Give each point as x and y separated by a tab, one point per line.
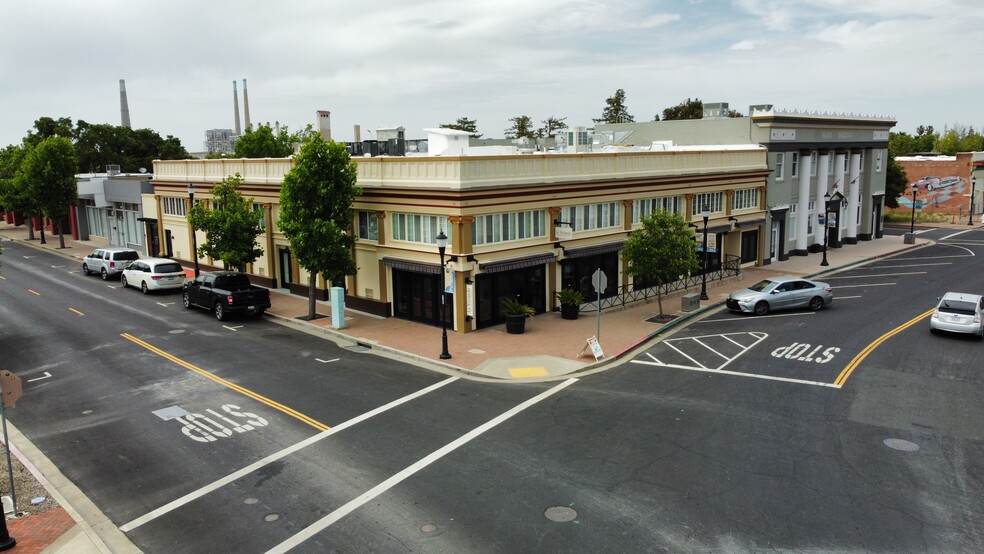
570	302
516	313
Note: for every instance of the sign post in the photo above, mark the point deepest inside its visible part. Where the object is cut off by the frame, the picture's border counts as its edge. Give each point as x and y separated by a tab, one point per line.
600	282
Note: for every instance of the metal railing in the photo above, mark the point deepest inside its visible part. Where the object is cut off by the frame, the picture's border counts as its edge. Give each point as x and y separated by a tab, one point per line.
628	295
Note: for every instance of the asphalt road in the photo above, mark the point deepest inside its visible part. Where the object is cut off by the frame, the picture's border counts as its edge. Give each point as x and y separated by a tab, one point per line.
732	436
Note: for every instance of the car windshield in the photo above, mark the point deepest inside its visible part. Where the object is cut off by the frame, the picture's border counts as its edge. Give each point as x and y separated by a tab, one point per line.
958	307
762	285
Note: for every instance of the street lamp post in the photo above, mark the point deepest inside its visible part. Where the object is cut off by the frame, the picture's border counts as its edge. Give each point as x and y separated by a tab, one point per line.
973	185
912	225
442	243
194	237
826	227
704	213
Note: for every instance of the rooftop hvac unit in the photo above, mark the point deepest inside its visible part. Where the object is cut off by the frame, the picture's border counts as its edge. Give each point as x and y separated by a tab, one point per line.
396	147
112	169
370	147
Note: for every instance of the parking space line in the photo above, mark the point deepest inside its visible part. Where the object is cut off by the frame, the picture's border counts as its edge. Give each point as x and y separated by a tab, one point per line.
904	265
697	340
866	285
878	275
680	352
756	318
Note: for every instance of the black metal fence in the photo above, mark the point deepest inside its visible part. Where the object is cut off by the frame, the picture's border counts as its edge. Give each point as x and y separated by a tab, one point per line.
627	295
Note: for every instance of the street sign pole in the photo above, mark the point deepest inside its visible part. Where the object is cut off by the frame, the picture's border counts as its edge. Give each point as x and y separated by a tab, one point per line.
600	282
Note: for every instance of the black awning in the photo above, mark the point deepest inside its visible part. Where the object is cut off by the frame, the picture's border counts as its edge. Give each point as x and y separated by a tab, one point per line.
717	229
750	222
416	267
593	250
517	263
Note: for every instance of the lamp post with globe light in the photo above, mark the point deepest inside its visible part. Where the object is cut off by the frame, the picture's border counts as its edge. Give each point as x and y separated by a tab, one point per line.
442	244
194	237
970	214
705	213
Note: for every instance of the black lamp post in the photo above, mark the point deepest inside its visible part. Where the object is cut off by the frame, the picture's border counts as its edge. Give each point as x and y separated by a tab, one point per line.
912	225
442	243
194	237
973	185
704	213
826	227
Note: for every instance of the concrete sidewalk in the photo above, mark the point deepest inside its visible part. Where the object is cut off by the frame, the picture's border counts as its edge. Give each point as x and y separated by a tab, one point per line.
551	347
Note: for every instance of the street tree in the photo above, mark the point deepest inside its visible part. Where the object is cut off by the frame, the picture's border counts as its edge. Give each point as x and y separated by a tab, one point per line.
231	225
13	195
464	124
688	109
316	212
552	125
48	174
896	182
615	110
661	251
522	127
261	142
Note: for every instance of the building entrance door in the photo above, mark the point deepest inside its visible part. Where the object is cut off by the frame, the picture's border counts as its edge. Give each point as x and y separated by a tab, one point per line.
285	265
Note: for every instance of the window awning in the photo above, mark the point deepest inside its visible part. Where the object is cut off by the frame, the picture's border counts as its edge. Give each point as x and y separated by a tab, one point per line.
715	229
416	267
517	263
593	250
750	222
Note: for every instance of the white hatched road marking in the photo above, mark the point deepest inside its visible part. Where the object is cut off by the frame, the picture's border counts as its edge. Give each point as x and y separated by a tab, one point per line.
759	337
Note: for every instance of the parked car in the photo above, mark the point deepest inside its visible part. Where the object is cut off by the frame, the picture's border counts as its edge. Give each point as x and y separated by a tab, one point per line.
108	262
149	274
781	293
225	292
959	312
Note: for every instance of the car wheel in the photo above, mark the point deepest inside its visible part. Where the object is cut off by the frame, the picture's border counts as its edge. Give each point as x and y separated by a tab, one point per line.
762	308
123	280
85	269
186	300
259	313
816	303
143	288
105	275
219	311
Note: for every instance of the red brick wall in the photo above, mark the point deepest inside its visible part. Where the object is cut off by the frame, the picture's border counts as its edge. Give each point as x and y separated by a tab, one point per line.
950	200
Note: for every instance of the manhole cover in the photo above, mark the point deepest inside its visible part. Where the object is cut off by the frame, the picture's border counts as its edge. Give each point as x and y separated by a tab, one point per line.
560	514
271	517
901	444
251	500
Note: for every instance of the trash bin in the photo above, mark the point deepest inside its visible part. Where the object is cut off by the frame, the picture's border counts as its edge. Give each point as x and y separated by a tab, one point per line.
690	302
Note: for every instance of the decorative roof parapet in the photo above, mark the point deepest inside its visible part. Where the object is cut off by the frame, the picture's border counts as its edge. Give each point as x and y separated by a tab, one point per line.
816	114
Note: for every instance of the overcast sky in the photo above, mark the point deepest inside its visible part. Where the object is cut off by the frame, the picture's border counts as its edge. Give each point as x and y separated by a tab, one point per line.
419	64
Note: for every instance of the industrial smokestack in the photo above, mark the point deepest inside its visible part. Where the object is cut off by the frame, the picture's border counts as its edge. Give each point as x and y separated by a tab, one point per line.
246	105
358	133
324	124
235	106
124	107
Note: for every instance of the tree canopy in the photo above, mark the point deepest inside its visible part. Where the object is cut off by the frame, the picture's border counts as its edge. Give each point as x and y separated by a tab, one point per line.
552	125
316	211
661	251
231	225
261	142
522	128
47	174
464	124
896	182
615	110
688	109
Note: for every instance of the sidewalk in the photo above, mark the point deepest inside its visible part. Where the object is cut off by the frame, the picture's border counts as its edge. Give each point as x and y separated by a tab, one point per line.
551	347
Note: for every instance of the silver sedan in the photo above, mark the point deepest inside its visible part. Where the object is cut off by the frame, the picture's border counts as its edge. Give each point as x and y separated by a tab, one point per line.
781	293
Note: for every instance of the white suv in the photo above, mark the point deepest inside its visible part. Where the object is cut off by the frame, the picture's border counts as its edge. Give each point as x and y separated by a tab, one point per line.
149	274
108	262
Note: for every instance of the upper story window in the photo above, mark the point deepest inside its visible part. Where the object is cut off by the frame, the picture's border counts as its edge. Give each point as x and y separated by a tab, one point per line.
744	199
174	205
645	206
593	216
419	228
259	208
878	161
493	228
713	201
794	165
369	225
780	162
813	163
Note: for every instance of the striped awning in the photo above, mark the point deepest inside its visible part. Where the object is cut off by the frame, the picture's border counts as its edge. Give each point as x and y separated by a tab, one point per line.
517	263
416	267
593	250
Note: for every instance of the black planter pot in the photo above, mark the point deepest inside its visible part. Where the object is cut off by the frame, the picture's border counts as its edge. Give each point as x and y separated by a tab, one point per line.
515	324
569	311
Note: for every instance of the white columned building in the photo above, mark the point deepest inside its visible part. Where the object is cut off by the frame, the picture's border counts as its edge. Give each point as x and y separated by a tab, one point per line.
853	194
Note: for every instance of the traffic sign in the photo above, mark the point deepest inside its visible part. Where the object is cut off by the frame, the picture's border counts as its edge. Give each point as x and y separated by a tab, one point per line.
11	388
599	280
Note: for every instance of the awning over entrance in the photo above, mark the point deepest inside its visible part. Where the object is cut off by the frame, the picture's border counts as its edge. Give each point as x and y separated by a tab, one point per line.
416	267
716	229
518	263
593	250
750	222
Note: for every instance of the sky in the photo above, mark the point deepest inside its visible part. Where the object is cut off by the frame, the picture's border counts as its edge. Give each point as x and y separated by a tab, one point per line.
420	64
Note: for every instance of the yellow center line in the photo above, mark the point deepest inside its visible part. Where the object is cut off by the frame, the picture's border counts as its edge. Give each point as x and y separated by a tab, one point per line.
76	311
842	378
259	398
34	292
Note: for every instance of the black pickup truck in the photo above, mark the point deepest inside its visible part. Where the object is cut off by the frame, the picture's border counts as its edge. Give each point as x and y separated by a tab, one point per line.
225	292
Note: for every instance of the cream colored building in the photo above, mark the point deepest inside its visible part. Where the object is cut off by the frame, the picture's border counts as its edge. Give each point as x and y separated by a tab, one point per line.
520	225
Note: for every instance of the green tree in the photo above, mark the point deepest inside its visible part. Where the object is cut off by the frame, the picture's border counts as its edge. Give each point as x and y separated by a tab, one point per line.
261	142
958	138
14	196
688	109
316	211
896	182
231	225
464	124
901	144
615	110
522	128
661	251
48	173
552	125
45	127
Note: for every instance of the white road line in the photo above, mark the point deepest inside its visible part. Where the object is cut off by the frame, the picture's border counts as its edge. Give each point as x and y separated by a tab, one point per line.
326	361
755	318
711	349
878	275
194	495
846	297
906	265
866	285
742	346
655	359
680	352
236	328
46	375
740	374
396	479
957	234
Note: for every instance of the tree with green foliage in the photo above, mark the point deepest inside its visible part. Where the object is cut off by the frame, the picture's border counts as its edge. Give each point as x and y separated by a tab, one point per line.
13	196
48	174
959	138
464	124
615	110
522	128
896	182
45	127
231	225
316	212
261	142
688	109
552	125
661	251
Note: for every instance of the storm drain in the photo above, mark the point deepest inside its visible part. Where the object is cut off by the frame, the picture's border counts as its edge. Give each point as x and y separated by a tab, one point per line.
359	347
560	514
901	444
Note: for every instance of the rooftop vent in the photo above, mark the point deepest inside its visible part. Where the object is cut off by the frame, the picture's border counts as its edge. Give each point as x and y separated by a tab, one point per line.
112	169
